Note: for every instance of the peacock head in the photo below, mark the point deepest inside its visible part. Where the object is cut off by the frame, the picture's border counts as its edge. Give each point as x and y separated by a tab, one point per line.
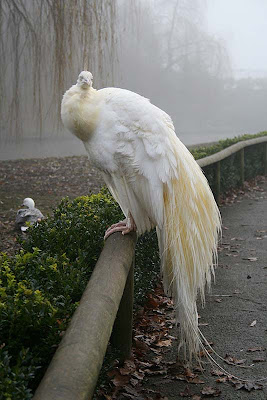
28	202
85	80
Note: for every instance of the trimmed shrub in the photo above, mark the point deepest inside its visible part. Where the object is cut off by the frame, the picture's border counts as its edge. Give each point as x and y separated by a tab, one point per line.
76	232
15	377
41	286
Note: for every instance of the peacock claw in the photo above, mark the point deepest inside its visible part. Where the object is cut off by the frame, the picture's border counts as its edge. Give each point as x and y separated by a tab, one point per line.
126	226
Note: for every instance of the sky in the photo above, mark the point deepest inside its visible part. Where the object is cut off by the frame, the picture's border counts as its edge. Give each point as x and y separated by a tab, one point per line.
242	25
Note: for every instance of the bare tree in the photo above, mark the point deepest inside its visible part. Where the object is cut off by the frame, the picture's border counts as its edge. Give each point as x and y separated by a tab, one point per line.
187	44
174	61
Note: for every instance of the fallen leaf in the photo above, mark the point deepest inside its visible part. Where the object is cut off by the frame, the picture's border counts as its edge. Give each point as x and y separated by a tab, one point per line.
170	362
210	391
155	372
196	397
232	360
253	323
259	360
120	380
112	373
188	373
138	375
152	302
141	345
128	368
250	258
145	364
157	360
222	379
217	372
248	386
196	380
218	300
252	349
203	353
134	382
181	377
164	343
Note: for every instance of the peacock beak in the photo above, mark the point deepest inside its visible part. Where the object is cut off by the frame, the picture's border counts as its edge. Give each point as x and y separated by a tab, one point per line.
86	81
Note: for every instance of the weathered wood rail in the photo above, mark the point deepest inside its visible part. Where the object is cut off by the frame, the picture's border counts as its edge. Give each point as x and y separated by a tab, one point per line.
74	369
216	159
108	297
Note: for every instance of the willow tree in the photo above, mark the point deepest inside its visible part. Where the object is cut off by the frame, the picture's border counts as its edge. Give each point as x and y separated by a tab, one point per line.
44	44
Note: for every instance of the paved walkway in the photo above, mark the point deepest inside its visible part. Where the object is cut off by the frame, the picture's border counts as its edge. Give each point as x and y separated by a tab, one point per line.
235	316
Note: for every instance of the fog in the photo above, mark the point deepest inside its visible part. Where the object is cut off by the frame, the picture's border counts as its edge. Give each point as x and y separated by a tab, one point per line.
203	62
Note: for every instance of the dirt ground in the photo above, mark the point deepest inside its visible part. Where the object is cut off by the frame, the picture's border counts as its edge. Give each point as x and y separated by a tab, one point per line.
47	181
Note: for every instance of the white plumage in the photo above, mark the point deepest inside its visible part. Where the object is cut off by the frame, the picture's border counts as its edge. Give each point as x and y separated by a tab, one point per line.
30	215
156	182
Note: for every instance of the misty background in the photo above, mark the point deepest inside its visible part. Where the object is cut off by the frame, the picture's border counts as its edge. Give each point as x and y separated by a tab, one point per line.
202	61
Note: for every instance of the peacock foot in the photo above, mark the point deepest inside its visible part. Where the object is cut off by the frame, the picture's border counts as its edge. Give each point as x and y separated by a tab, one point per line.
126	226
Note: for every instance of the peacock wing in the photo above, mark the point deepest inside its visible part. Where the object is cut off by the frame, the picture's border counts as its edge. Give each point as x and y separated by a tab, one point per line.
143	156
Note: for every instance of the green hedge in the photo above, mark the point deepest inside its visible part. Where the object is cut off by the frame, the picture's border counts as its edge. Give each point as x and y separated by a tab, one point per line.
41	286
208	150
230	171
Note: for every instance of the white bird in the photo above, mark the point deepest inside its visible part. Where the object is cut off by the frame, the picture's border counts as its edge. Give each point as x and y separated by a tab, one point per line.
156	182
29	214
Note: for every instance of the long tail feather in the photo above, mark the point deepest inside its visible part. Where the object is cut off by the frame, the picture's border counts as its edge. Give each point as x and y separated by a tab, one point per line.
188	244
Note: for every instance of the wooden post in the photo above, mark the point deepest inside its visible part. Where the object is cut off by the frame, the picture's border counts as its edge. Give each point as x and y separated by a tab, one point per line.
121	337
74	369
265	159
217	181
242	167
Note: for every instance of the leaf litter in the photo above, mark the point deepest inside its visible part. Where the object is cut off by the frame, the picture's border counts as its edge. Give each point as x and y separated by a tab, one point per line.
152	334
152	331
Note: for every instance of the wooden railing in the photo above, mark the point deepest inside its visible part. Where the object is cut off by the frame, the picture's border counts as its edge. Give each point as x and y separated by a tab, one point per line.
108	298
216	159
74	369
